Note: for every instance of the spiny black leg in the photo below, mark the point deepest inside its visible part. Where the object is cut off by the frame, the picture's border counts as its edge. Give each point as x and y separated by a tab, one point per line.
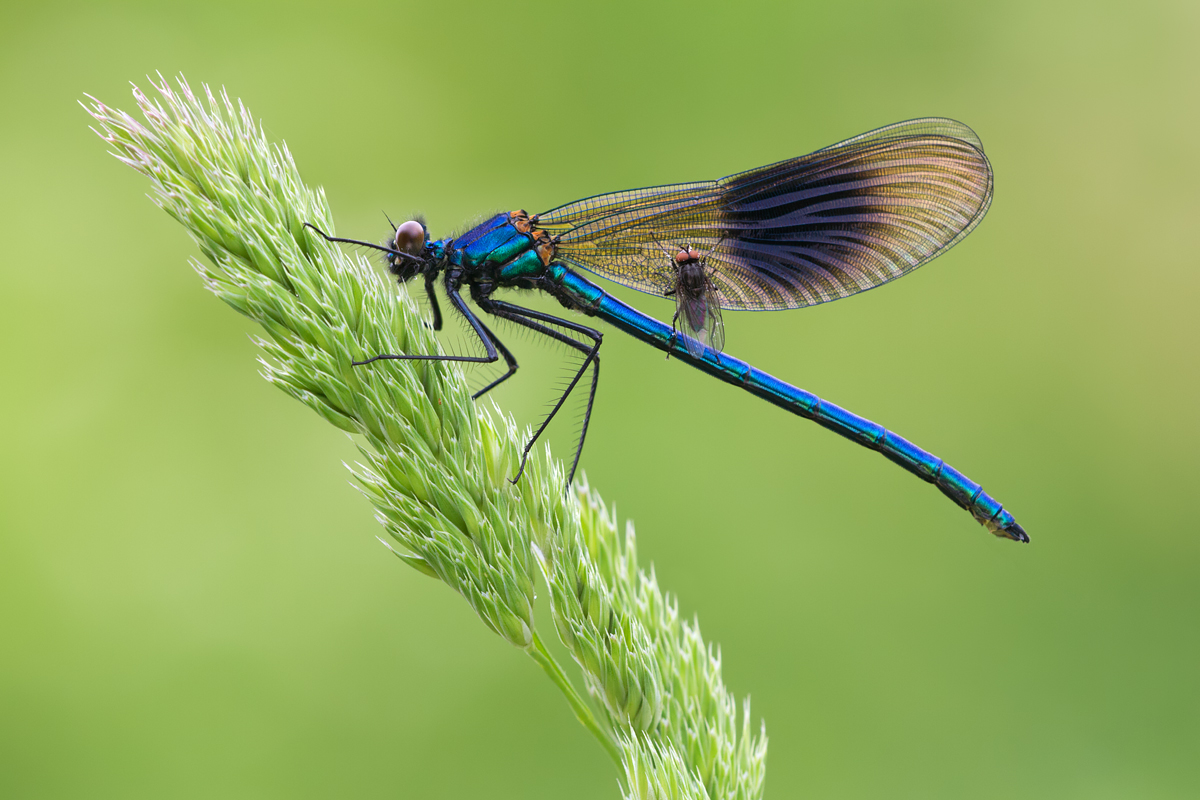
328	238
591	359
591	333
480	331
433	303
674	332
587	414
509	359
530	319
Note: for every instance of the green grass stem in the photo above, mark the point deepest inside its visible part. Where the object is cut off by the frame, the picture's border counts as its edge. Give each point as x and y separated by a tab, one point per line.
436	464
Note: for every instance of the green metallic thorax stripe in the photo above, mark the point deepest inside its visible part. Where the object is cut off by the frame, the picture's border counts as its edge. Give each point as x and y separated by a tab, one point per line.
526	265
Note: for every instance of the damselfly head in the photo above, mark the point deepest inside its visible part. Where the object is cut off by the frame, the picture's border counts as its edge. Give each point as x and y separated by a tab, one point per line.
409	258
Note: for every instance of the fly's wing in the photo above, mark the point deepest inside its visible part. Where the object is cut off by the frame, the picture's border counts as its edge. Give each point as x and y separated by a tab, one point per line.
714	325
699	316
808	230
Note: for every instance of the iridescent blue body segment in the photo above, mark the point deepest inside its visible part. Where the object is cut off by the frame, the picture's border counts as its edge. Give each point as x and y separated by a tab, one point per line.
926	466
503	249
494	242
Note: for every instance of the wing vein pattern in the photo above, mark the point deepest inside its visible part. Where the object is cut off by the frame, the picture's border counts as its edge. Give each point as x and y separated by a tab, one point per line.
847	218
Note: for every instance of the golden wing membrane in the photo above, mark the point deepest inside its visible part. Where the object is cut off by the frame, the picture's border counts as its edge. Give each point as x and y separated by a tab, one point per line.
844	219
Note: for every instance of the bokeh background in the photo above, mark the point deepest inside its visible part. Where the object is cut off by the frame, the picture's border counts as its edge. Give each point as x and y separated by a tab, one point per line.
192	600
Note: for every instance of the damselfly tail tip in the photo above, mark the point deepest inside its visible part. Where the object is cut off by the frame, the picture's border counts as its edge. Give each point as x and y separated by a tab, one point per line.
1012	530
1016	533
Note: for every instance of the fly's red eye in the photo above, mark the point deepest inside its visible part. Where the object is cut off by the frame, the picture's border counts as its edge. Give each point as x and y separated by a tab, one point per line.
410	238
683	256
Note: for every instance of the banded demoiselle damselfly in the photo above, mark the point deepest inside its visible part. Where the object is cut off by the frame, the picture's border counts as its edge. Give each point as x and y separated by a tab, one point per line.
838	221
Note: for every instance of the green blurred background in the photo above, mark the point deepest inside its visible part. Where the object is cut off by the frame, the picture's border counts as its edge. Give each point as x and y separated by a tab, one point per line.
192	600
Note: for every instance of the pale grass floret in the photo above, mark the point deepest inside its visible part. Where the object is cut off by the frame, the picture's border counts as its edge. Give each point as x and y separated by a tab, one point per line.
436	464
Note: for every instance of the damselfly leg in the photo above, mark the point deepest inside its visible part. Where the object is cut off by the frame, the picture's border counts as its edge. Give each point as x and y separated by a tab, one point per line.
533	320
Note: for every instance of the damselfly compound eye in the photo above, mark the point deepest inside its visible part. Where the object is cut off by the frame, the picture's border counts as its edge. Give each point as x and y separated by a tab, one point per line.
410	238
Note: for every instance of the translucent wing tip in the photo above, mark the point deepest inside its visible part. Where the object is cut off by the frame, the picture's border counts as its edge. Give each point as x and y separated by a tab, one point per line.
925	126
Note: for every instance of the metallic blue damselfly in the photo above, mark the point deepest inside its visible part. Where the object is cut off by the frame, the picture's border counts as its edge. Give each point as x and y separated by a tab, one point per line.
812	229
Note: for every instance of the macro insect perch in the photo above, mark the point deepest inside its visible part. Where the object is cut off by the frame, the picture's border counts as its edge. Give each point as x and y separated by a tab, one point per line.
436	465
